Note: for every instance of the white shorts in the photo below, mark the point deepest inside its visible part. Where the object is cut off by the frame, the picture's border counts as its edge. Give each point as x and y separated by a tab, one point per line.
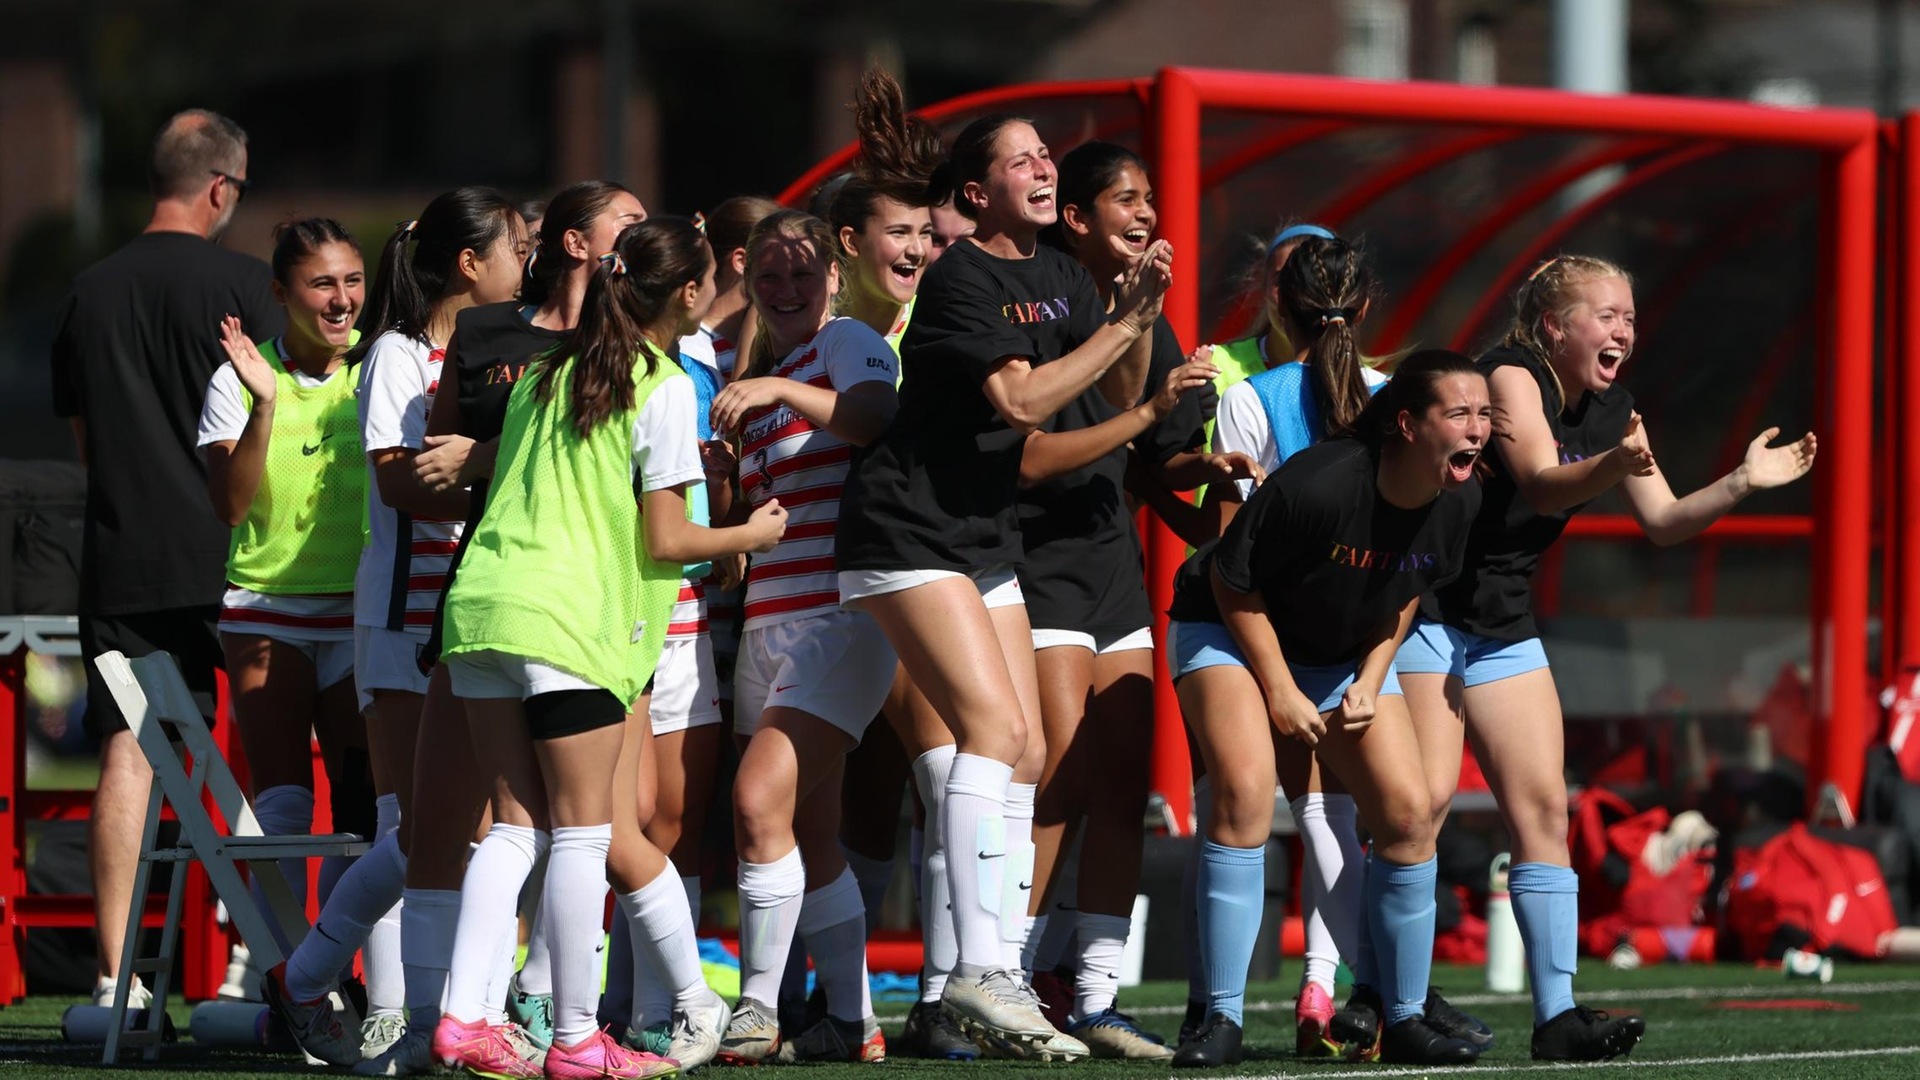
490	673
1049	639
386	660
686	692
836	666
320	627
999	585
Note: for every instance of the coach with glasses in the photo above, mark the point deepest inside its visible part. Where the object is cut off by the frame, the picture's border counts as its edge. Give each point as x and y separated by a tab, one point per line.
137	343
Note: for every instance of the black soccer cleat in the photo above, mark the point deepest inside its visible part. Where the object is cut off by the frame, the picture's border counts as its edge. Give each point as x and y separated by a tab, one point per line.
1217	1043
1414	1041
1195	1019
930	1033
1356	1026
1583	1034
1447	1020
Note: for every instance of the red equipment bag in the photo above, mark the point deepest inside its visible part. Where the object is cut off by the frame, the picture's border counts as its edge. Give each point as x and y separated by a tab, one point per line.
1798	890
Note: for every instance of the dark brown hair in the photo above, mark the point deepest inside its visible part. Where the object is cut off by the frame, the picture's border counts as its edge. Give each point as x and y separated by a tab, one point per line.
651	260
1324	287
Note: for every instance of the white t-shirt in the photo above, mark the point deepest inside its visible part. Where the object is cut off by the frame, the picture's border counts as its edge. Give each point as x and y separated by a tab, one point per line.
666	442
224	415
784	455
1242	425
397	588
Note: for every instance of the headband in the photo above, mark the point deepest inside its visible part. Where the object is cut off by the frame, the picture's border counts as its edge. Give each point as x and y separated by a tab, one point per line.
1297	232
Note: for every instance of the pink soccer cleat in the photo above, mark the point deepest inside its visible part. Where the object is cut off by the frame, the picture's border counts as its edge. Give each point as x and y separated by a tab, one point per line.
599	1056
482	1050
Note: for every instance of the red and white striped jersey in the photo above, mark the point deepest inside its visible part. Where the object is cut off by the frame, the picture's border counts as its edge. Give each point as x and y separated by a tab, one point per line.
406	558
784	456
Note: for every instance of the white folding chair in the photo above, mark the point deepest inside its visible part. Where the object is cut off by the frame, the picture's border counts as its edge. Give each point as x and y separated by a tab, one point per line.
187	766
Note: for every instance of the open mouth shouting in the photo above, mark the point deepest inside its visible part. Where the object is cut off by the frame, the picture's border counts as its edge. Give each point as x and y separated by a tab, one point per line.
1611	359
1460	465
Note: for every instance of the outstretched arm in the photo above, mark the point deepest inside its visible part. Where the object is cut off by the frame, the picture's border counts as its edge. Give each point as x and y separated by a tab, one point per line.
1669	520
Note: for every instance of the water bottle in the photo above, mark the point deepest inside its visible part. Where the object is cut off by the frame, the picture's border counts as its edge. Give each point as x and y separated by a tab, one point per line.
1506	956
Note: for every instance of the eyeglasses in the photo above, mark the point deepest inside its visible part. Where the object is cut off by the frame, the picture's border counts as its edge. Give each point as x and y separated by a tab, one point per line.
240	186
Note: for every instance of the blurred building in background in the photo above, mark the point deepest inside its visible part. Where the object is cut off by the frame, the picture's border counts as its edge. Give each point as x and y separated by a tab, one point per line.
361	110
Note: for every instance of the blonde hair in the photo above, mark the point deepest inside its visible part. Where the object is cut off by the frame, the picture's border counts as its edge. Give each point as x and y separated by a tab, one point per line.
787	225
1554	289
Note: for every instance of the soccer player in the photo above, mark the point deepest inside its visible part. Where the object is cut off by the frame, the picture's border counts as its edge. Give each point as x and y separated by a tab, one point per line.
553	631
1005	333
282	441
1567	433
1287	626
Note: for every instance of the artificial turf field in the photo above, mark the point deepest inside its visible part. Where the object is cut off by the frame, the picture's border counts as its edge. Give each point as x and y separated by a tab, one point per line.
1723	1021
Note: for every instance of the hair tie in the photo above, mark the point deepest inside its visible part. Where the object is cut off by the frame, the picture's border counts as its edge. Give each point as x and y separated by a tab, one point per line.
1542	268
1333	315
533	256
406	227
700	222
1299	232
613	259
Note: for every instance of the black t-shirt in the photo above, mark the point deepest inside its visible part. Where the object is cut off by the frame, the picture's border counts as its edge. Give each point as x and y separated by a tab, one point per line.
1084	568
138	341
937	490
1330	557
1492	597
491	347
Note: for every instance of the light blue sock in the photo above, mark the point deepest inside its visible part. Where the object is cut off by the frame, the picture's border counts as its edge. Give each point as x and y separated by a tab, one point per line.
1400	912
1546	904
1365	972
1232	886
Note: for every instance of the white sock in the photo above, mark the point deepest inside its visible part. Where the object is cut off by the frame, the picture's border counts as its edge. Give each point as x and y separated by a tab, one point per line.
1016	884
930	772
874	875
916	857
429	919
1331	894
650	1000
625	975
1037	926
1102	939
332	869
386	974
974	822
284	810
536	975
368	891
488	899
663	929
575	897
770	901
834	925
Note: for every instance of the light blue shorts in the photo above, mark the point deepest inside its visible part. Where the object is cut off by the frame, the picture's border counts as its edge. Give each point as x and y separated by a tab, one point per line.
1435	648
1195	645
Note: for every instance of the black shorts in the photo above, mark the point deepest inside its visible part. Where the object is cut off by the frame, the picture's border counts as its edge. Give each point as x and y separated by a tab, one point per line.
190	634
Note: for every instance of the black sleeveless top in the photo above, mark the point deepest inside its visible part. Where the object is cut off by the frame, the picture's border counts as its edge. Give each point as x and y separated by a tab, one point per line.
1492	597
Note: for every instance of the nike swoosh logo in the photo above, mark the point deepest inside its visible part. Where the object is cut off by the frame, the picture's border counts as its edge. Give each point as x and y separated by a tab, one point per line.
1026	886
998	855
309	451
784	689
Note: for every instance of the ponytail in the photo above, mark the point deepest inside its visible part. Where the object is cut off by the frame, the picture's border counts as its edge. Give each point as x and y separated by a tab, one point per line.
628	294
412	281
1324	289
